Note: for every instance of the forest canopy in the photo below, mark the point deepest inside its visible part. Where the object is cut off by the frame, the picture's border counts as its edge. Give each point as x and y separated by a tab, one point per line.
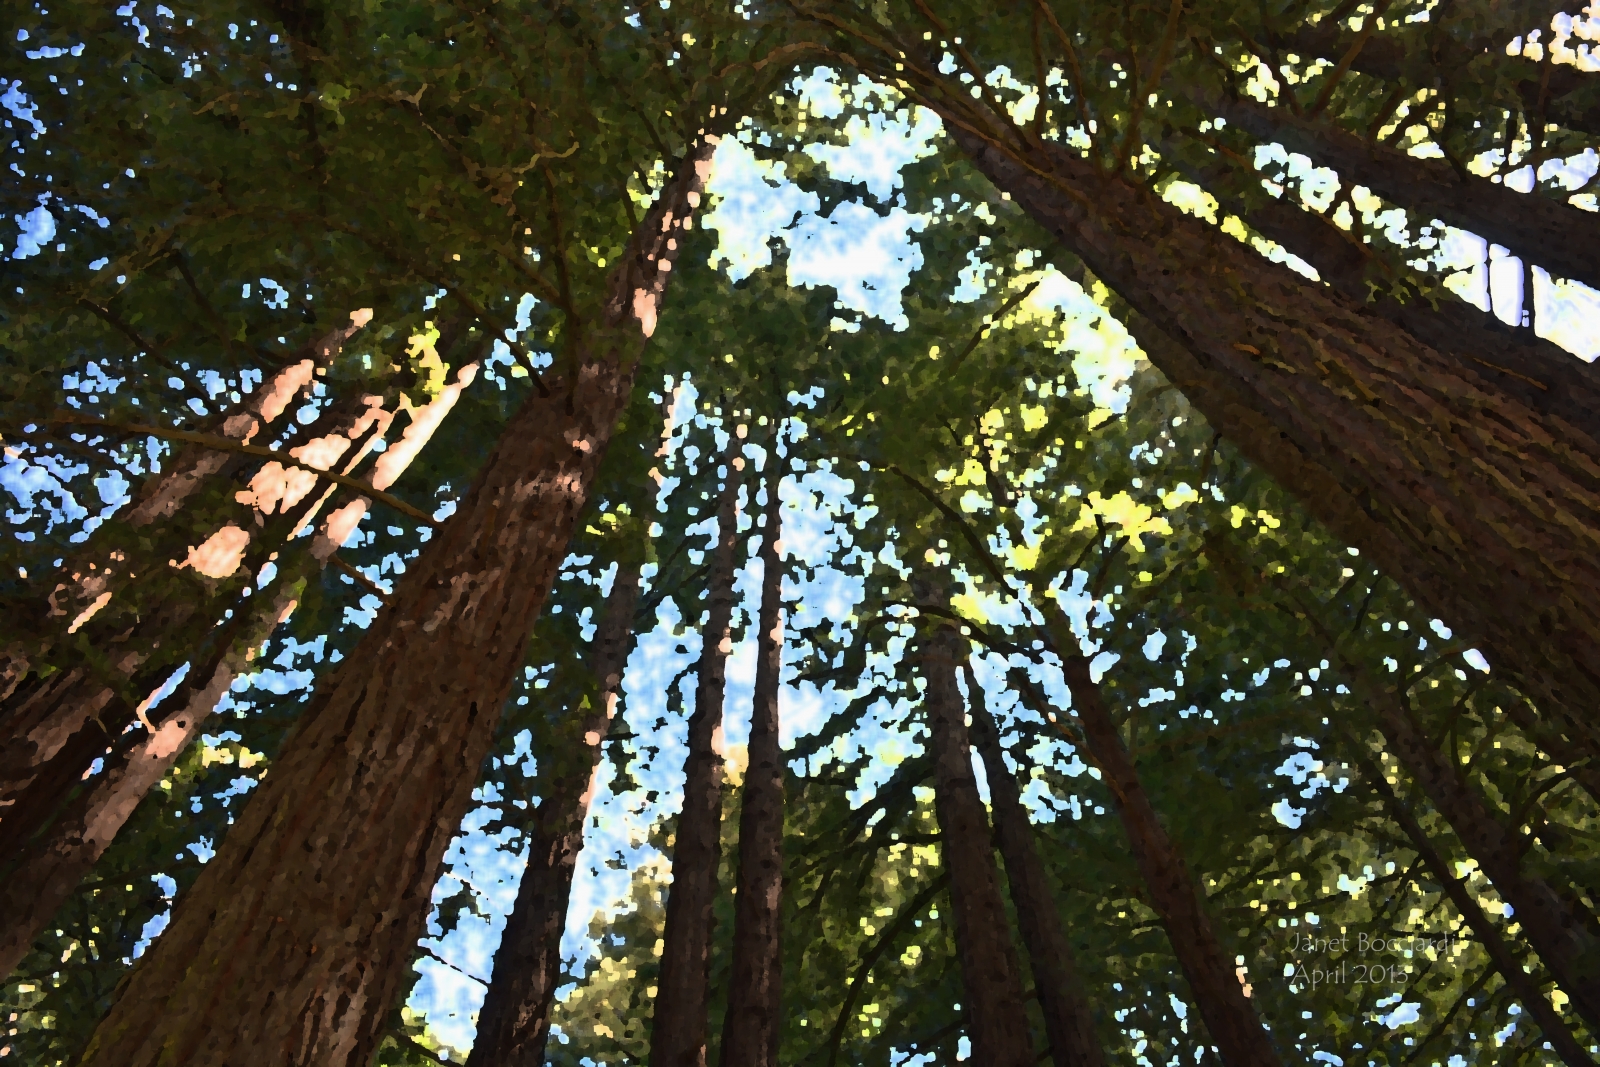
800	531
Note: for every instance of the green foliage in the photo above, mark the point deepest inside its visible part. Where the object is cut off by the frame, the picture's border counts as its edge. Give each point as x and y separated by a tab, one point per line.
435	163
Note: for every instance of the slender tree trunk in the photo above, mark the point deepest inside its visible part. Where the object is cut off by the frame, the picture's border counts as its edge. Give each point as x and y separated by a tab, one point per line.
1068	1019
514	1023
993	1003
98	567
51	738
1521	984
1235	1028
41	878
750	1029
290	947
1485	507
678	1026
43	859
1565	240
1561	937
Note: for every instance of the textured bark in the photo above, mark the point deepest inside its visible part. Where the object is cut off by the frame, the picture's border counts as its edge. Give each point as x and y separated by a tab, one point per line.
1484	506
750	1029
514	1023
1521	984
1235	1028
1068	1019
1551	925
95	570
42	877
1516	362
291	945
1563	239
678	1026
991	975
57	730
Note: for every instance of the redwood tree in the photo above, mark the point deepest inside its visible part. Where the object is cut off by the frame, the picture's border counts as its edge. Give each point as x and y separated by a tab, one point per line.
1478	497
514	1023
750	1029
321	888
1068	1017
992	1005
678	1026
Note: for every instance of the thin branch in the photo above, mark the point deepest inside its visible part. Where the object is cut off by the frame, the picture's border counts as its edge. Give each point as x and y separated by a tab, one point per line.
1349	57
1141	93
1077	78
988	322
359	575
890	934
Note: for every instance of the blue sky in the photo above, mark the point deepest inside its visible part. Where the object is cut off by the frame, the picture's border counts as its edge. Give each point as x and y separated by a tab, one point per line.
867	258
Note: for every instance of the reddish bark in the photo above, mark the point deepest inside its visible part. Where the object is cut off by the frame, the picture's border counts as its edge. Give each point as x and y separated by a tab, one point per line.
1521	984
318	894
42	877
1068	1019
1485	506
1235	1028
678	1026
750	1029
514	1023
991	975
56	730
96	570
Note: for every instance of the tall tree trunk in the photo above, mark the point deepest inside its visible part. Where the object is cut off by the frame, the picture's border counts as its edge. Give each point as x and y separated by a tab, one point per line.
1521	984
42	859
993	1003
1485	507
42	876
50	739
319	893
750	1029
514	1023
1235	1028
1565	240
1068	1019
90	572
678	1026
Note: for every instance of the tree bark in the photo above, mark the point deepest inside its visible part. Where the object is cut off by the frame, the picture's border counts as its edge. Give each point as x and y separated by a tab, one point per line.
678	1026
750	1029
1485	507
514	1023
1235	1028
50	739
39	875
42	876
993	1003
1522	985
1563	239
1068	1019
1516	362
291	945
91	571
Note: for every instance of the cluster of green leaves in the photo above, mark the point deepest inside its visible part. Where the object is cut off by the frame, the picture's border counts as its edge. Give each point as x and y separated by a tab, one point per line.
515	149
